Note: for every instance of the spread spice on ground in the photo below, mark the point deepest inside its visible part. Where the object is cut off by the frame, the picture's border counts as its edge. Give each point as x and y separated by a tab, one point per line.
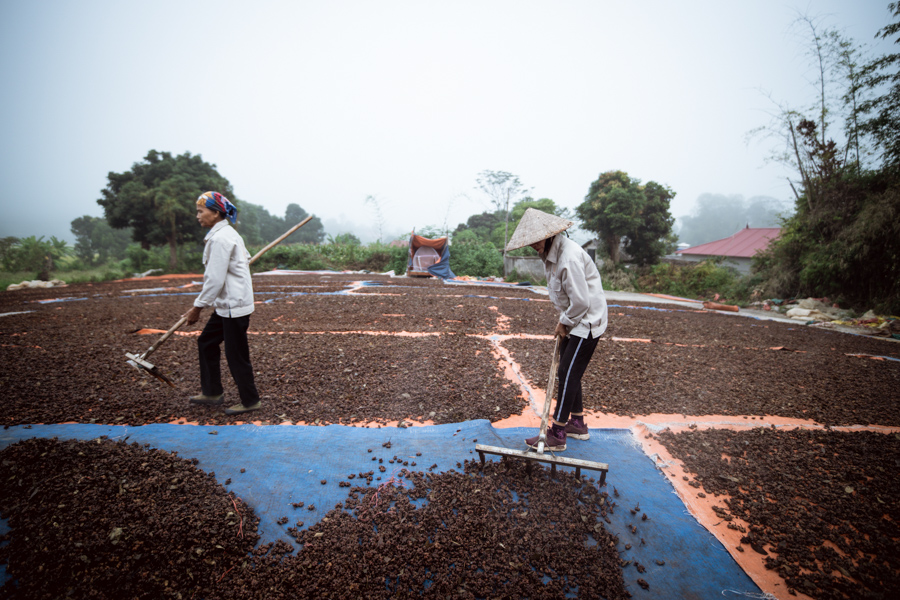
822	506
103	519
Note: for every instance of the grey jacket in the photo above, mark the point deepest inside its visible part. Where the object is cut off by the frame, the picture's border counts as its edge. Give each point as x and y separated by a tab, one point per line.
575	288
226	281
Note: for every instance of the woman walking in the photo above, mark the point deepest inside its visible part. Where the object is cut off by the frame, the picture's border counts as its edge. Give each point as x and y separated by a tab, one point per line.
228	288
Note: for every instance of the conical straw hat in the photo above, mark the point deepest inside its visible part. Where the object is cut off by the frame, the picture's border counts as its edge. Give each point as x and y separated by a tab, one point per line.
535	226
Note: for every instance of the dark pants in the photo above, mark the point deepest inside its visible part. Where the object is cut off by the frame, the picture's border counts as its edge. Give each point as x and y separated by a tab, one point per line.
237	352
574	355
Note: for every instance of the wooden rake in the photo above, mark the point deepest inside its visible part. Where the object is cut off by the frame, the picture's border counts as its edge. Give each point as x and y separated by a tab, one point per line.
539	455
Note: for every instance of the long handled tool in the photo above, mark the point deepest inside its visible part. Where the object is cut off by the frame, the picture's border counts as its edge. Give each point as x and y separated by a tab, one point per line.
539	456
139	361
551	385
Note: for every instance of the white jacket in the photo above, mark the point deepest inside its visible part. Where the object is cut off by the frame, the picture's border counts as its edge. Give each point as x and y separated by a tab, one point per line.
226	281
575	288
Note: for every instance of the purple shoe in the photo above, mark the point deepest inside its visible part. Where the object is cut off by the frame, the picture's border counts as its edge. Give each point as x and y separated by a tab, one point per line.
556	439
577	429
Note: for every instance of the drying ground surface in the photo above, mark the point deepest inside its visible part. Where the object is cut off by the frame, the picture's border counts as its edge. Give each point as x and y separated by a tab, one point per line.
102	519
65	362
694	363
823	507
398	349
418	349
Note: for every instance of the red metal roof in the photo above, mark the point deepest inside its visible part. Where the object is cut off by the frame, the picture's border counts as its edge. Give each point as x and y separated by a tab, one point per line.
744	244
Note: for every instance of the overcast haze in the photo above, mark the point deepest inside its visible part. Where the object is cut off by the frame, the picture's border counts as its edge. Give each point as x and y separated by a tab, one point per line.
325	103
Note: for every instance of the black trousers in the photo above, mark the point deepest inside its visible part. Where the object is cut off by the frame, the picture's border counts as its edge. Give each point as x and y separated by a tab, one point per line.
574	355
233	331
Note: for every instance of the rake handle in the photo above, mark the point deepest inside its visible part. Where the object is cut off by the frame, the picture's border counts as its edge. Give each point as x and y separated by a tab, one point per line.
164	337
277	241
554	365
183	319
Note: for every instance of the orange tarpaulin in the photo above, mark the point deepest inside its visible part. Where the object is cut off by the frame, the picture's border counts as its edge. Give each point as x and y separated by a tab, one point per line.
417	241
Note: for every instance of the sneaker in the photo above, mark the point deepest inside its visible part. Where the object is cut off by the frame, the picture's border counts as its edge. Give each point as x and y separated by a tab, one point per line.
207	400
556	439
576	429
240	408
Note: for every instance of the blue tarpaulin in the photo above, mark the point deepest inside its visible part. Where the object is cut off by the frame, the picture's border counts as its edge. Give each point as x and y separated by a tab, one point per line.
287	464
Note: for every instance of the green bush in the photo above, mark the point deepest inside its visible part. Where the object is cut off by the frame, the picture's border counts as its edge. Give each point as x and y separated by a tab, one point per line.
338	257
397	258
74	264
139	260
473	257
617	278
701	281
111	275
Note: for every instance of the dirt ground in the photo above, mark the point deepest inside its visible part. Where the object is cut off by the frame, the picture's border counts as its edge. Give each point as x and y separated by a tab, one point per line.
418	350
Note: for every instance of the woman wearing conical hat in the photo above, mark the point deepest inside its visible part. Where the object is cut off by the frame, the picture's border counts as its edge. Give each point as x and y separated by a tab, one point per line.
577	293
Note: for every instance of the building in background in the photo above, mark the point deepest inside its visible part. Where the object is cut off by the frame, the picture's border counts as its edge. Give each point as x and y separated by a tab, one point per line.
737	250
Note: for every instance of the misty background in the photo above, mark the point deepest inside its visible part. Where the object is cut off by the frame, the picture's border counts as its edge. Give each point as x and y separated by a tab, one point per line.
326	104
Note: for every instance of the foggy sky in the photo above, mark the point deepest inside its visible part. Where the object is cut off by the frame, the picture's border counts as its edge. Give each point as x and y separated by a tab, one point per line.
325	103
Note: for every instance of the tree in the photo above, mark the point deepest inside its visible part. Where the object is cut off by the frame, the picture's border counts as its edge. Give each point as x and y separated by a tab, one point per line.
502	188
311	233
257	226
449	205
835	61
648	241
344	239
842	241
96	241
884	123
848	59
430	231
612	209
156	198
294	214
619	209
482	225
379	215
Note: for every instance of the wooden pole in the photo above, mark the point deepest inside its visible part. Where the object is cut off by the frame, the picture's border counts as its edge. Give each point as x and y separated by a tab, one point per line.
277	241
554	364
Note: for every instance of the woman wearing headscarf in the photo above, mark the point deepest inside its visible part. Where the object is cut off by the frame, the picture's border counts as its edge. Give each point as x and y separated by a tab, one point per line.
226	286
576	292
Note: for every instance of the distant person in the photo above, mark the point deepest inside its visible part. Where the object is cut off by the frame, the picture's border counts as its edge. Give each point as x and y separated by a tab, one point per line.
577	293
226	286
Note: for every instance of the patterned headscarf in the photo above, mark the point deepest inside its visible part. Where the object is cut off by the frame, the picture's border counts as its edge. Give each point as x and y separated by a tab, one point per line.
218	202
